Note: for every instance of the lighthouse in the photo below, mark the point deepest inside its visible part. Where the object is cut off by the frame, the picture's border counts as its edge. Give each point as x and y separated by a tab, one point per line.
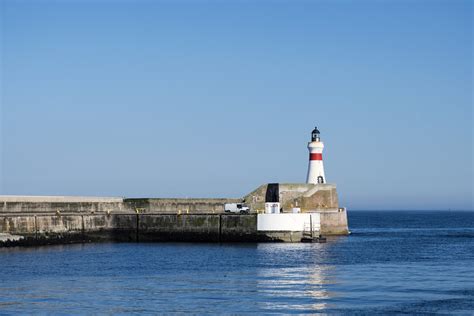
315	167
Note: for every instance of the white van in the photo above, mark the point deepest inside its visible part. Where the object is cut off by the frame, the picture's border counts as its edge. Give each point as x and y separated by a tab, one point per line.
236	208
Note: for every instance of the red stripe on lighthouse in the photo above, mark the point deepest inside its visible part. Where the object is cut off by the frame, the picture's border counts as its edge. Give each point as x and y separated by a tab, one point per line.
315	156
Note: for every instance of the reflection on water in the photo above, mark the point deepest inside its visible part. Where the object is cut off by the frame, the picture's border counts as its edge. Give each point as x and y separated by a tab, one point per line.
405	268
300	288
295	285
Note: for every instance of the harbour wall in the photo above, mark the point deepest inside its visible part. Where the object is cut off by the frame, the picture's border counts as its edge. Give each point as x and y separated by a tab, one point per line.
178	206
97	205
70	228
59	219
39	229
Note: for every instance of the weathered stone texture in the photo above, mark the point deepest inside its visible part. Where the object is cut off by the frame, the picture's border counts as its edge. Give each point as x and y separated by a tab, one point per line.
238	228
175	206
58	224
334	222
40	220
17	224
308	197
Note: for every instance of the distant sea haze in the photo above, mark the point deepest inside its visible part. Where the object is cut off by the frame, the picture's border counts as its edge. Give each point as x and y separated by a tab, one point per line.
397	262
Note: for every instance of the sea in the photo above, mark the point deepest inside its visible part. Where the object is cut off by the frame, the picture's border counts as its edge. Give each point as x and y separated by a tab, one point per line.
393	262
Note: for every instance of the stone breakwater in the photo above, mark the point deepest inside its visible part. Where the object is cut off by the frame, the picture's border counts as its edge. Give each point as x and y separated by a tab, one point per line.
70	228
31	220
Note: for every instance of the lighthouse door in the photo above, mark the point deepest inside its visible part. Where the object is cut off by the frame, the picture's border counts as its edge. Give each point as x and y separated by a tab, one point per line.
320	179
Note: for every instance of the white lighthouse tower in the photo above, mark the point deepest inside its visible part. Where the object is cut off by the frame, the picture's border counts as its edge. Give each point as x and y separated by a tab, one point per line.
315	167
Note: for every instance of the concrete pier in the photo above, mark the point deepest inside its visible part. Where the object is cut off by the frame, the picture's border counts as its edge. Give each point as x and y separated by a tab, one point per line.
48	220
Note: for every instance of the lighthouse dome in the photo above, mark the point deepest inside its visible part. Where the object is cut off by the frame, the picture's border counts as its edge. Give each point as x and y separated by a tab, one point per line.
315	135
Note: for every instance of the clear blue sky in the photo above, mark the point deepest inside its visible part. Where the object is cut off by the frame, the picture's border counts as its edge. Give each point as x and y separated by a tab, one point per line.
213	98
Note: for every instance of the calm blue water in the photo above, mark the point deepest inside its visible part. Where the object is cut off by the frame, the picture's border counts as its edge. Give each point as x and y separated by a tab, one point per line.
394	262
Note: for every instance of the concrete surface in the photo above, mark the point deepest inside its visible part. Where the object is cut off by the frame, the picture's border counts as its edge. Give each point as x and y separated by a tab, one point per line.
308	197
31	220
175	206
